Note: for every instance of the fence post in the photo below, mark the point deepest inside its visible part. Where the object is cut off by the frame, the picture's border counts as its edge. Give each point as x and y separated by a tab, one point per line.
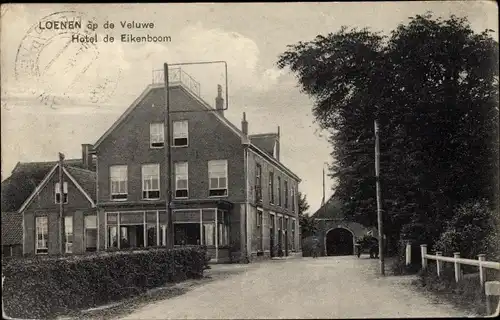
481	257
408	253
423	249
439	263
492	290
456	255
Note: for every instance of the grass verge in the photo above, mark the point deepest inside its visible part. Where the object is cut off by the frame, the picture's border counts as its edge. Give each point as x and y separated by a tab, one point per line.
466	295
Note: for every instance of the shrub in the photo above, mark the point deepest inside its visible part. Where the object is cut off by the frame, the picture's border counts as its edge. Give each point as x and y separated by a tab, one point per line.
44	287
399	267
471	231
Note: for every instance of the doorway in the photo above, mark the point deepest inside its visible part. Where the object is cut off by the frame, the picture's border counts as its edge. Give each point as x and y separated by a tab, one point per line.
339	242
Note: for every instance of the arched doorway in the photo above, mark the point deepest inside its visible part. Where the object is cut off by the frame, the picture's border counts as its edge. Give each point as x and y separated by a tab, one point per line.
339	242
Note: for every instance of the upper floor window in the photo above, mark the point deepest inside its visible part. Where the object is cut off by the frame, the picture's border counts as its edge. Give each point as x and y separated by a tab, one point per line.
258	182
181	180
279	191
271	187
156	135
57	192
293	199
42	235
217	176
286	193
151	181
180	133
119	180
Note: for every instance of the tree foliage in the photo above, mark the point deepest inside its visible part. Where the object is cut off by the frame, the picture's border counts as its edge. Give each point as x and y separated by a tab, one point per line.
308	224
433	86
303	204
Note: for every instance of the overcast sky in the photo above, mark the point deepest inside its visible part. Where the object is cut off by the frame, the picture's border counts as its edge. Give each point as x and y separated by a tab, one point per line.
248	36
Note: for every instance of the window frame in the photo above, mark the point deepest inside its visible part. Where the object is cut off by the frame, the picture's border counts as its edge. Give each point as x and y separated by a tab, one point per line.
66	234
258	182
176	179
111	193
57	191
180	137
157	166
285	187
218	179
160	134
46	233
85	228
271	187
278	178
260	227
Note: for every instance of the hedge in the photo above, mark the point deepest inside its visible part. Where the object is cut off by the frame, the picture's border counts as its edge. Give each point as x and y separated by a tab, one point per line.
50	286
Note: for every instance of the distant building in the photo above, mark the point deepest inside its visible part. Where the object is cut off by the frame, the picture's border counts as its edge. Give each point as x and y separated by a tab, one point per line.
336	233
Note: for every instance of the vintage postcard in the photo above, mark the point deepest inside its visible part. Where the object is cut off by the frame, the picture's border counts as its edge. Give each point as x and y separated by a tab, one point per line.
250	160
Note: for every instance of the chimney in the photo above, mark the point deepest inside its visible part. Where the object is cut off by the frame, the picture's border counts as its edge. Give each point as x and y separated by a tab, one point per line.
219	101
87	156
244	124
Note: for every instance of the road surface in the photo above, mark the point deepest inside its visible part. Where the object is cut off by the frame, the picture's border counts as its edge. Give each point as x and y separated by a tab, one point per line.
326	287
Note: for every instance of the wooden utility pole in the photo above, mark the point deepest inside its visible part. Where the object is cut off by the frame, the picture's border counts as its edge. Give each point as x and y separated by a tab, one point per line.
379	201
61	204
168	163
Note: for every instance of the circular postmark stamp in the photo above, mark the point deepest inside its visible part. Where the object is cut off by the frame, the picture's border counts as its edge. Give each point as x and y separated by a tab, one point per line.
57	63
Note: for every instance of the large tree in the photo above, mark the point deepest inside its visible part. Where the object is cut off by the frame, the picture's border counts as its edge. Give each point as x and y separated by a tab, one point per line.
433	86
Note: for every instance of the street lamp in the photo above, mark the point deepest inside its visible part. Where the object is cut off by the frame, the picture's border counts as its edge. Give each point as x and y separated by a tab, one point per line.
170	231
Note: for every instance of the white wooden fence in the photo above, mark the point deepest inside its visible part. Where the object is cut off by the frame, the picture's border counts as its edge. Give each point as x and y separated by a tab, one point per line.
481	263
492	288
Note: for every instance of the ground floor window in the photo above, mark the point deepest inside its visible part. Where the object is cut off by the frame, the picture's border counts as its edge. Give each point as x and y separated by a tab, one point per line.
187	234
201	234
12	250
42	235
90	233
209	234
132	236
148	229
293	234
68	230
136	229
223	235
260	229
112	236
163	235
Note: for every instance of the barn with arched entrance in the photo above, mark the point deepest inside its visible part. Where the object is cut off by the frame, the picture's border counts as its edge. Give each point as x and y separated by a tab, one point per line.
336	234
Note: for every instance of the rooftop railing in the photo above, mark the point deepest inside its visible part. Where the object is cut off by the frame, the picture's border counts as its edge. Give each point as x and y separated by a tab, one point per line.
177	76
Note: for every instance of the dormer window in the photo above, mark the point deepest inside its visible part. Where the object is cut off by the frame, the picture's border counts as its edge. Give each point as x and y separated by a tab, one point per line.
57	192
180	134
156	135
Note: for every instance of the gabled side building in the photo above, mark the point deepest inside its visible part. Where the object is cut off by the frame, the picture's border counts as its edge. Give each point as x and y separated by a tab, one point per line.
30	200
